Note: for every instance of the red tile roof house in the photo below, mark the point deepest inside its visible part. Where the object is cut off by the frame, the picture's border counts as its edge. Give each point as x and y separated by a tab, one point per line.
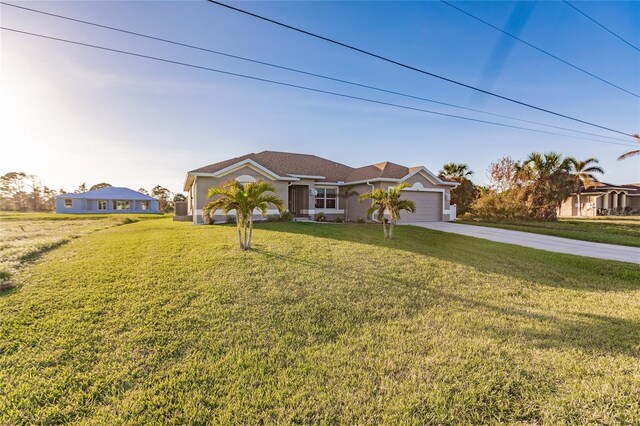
309	185
601	198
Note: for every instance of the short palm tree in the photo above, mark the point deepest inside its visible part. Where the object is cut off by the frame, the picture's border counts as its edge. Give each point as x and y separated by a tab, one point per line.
347	192
388	202
244	199
456	171
633	152
584	171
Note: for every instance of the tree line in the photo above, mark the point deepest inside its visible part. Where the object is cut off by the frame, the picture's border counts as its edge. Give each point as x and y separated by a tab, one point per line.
23	192
529	189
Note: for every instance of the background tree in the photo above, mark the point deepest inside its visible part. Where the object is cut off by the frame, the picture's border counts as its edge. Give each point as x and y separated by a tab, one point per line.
143	191
179	198
82	188
633	152
345	193
549	182
13	191
244	198
164	197
466	192
100	186
456	171
584	172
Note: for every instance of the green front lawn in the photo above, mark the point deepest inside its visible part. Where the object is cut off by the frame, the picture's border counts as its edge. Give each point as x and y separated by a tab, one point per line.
161	322
622	230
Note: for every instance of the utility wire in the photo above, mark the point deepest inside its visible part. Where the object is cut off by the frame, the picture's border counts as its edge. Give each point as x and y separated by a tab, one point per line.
543	51
311	89
600	25
304	72
410	67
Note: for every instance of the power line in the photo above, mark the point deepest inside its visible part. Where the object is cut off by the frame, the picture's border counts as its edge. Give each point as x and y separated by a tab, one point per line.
410	67
543	51
303	72
311	89
600	25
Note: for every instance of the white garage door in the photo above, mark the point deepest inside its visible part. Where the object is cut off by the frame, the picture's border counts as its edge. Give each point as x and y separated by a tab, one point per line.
428	207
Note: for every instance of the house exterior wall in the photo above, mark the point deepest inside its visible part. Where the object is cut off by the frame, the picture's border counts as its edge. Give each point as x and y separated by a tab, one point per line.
198	194
633	201
84	206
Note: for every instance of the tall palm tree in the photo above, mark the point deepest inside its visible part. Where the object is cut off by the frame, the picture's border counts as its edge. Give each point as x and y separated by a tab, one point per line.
633	152
388	201
244	198
456	171
584	171
347	192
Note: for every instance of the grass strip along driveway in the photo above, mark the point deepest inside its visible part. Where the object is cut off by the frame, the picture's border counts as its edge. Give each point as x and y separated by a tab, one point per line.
620	230
165	322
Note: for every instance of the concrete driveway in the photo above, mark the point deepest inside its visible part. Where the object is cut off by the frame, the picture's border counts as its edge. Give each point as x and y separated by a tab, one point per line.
537	241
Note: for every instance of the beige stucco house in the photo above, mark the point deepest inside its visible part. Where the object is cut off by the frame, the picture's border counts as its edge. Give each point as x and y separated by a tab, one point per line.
309	185
600	199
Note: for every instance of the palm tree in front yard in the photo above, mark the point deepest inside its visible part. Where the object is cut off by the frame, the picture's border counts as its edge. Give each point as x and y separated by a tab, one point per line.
584	171
633	152
388	202
347	192
244	199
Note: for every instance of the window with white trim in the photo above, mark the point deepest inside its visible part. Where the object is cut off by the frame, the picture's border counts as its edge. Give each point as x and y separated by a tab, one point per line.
68	203
144	205
327	198
121	205
102	204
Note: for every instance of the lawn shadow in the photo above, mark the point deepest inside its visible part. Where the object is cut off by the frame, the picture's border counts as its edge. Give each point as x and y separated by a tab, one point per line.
599	334
528	264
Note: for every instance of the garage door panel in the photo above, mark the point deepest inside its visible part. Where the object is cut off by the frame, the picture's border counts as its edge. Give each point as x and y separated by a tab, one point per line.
428	207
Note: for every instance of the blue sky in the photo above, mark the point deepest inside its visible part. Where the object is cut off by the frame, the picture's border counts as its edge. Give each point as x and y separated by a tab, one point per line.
73	115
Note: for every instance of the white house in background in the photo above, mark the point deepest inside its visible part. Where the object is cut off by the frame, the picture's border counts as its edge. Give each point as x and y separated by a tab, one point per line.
602	199
107	200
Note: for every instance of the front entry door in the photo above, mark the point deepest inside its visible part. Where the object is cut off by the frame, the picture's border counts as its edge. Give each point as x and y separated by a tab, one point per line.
292	201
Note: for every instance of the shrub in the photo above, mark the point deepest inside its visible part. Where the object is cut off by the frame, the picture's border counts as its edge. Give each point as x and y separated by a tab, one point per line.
286	216
339	219
360	219
320	217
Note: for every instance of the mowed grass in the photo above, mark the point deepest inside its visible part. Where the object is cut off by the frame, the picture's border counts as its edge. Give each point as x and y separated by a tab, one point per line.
622	230
162	322
25	236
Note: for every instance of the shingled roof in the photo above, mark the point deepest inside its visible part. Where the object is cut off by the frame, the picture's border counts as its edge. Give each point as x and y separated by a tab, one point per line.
291	164
288	163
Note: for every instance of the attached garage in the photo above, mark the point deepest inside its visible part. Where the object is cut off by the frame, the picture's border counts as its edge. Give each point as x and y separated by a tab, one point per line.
428	207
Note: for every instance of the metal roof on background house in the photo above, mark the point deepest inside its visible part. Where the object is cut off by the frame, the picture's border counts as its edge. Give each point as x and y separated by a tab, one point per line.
110	193
292	164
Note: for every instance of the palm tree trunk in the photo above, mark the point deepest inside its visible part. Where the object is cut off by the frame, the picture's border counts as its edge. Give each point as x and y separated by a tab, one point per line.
248	245
391	221
579	201
238	225
245	224
384	228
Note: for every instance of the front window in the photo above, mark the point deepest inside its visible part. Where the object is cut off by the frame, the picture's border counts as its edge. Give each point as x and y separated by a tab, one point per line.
121	205
144	205
326	198
68	203
102	204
